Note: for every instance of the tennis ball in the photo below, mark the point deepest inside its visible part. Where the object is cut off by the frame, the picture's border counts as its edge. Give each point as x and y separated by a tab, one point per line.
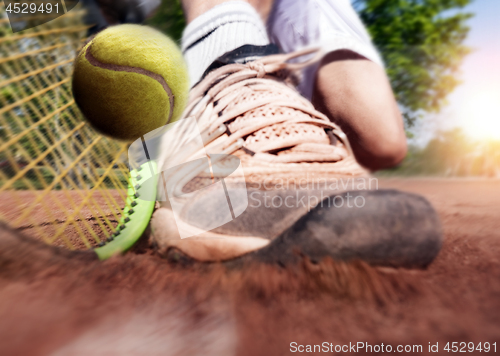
130	80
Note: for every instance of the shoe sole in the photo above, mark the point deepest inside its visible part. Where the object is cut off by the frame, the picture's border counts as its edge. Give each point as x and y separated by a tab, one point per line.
392	228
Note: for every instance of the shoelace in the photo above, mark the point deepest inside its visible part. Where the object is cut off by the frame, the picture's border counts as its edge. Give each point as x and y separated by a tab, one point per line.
214	105
210	101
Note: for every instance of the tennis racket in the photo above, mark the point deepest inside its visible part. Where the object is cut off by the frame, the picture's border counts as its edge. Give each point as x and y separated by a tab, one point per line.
60	181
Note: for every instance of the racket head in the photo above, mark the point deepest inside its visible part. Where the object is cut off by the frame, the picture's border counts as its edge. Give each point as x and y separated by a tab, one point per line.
60	181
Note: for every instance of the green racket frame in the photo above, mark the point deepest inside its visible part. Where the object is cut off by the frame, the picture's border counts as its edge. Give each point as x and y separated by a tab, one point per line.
135	215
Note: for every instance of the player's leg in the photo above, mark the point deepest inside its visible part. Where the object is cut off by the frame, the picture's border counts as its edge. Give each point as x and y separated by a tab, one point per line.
216	27
195	8
354	93
349	85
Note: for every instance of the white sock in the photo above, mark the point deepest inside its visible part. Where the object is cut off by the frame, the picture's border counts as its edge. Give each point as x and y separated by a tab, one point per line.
221	29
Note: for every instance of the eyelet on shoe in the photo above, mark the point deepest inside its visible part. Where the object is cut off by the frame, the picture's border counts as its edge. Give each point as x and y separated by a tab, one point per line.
234	147
208	137
333	139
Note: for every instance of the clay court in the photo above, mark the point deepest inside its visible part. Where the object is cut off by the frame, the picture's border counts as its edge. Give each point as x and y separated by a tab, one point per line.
54	302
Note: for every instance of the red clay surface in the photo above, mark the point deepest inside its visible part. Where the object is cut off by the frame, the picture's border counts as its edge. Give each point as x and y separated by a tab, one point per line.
54	303
48	215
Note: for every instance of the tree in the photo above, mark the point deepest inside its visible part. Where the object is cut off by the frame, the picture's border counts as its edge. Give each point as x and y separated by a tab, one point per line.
421	42
169	18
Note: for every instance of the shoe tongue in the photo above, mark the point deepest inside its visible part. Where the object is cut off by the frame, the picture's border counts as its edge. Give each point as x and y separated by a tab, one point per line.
242	55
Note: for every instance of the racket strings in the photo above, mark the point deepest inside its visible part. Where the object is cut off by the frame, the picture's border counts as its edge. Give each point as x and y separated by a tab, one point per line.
60	181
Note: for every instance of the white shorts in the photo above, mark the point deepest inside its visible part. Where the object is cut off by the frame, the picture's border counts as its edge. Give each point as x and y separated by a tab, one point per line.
329	24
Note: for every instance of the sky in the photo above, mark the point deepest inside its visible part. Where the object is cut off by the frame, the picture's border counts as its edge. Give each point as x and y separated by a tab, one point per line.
475	104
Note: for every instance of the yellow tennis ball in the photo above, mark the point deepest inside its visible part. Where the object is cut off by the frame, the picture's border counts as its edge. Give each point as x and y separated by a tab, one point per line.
130	80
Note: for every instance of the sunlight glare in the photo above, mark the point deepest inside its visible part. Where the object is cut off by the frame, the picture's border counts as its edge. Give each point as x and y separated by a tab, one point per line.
480	115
